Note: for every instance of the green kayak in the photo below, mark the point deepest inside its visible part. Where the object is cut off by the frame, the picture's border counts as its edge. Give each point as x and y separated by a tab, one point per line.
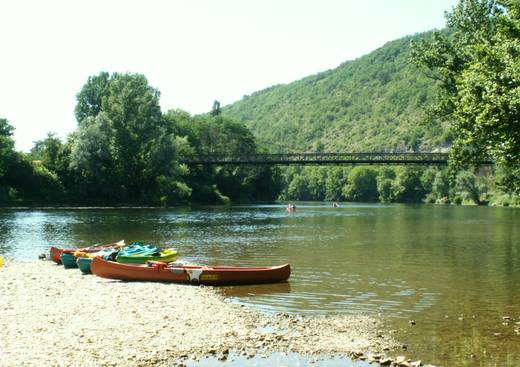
168	255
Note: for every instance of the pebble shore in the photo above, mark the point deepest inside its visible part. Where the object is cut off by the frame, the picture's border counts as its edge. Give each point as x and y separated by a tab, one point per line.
50	316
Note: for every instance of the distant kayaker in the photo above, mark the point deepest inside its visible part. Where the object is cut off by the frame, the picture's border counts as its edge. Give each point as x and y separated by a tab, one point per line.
335	205
291	207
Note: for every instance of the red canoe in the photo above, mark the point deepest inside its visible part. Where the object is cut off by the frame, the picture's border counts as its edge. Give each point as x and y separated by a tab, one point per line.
56	251
211	275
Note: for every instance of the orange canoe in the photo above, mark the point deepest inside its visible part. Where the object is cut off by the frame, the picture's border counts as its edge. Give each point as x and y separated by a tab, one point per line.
56	251
210	275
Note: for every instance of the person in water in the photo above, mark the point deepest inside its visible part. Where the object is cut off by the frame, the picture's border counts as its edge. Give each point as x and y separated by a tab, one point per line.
335	205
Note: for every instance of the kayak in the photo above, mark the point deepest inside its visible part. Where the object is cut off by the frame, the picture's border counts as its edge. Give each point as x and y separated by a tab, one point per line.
56	251
167	255
101	253
68	260
138	248
208	275
84	264
84	259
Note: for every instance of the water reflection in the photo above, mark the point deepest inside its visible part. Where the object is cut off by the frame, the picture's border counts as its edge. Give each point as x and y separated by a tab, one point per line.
454	270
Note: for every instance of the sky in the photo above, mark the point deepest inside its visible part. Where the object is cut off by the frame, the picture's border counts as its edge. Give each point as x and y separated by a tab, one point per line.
192	51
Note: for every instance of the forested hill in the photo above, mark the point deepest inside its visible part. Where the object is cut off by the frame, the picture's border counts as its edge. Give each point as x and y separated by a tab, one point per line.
373	103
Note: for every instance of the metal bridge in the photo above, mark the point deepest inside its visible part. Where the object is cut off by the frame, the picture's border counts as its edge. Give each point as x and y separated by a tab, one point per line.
321	159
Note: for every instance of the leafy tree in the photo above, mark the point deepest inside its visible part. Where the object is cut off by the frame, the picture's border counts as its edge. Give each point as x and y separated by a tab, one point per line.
478	67
55	157
209	134
124	149
508	178
92	95
407	186
467	187
334	182
427	178
6	146
361	185
93	158
298	189
440	190
21	181
385	187
215	110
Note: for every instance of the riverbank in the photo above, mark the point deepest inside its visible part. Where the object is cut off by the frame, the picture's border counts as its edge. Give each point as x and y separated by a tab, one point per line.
52	316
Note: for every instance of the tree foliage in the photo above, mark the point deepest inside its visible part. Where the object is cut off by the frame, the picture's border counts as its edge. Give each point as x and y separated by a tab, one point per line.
373	103
6	145
123	148
126	151
478	65
361	185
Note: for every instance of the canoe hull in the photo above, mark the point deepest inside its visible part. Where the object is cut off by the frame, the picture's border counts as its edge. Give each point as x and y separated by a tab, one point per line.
166	256
217	275
68	260
56	252
84	264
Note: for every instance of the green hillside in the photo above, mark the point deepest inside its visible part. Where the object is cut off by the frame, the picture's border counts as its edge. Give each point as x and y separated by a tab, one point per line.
373	103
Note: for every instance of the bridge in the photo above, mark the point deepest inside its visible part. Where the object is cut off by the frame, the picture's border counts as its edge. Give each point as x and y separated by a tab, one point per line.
321	159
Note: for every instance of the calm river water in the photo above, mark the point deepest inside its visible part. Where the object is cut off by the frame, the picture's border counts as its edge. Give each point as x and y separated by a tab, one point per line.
453	270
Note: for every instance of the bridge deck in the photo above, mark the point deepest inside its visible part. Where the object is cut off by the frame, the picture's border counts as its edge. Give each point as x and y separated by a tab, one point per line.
321	159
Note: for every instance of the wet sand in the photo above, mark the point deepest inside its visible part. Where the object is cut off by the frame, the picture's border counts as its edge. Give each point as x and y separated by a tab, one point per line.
50	316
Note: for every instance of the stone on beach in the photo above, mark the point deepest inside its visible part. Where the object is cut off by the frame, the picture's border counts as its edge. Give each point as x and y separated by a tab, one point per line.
53	316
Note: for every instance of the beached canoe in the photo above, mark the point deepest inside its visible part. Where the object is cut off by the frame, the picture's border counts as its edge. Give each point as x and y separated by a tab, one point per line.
84	259
68	260
84	264
166	256
210	275
56	251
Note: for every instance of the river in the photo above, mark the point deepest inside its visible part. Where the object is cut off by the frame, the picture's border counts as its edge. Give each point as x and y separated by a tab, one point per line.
446	279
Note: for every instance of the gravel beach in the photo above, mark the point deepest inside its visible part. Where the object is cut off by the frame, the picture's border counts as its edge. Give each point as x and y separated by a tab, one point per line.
50	316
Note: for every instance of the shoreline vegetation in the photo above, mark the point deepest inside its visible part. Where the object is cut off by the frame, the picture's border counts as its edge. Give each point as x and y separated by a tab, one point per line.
71	319
453	90
133	158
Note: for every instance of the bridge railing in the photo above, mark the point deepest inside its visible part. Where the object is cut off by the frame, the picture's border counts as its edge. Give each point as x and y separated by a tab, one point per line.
319	158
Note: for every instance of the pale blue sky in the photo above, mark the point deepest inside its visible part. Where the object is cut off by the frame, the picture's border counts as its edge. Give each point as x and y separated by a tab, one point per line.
193	51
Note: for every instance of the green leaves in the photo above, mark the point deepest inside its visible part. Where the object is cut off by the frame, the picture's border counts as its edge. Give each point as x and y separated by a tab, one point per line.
480	91
370	104
6	146
123	145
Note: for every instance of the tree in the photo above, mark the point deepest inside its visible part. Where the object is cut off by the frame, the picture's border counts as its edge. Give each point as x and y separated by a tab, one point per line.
124	147
6	146
215	110
93	158
334	182
441	187
467	187
407	186
477	64
91	97
298	189
508	178
361	185
7	157
385	180
209	134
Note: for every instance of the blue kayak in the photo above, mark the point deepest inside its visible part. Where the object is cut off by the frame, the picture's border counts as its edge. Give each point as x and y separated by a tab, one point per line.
84	264
68	260
138	248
